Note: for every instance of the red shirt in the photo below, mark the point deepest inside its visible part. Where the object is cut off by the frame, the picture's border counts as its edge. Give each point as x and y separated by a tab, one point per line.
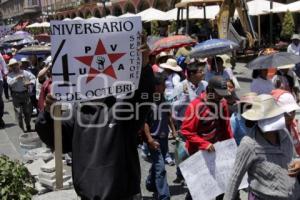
202	127
46	89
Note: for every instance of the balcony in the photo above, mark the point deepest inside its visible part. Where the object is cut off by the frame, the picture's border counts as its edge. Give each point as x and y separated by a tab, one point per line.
32	6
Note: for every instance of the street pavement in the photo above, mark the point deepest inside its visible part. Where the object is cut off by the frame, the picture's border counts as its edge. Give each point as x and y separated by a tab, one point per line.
9	145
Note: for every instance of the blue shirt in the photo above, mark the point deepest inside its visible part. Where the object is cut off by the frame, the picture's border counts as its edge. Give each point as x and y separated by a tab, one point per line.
238	127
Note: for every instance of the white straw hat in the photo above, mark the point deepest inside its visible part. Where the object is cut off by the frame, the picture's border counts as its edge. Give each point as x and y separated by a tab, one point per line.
287	102
263	107
290	66
172	65
13	61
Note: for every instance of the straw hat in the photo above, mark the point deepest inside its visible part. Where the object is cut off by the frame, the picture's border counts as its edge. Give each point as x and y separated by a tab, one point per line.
287	102
290	66
263	107
24	59
172	65
295	37
163	54
226	60
248	98
12	62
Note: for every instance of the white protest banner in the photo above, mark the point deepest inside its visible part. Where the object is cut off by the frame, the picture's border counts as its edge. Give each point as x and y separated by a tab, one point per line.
95	58
207	173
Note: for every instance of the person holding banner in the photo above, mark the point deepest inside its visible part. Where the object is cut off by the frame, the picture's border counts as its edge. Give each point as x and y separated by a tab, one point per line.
265	155
207	118
105	159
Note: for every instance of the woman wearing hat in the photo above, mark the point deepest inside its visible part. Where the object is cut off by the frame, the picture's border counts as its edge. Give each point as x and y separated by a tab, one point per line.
171	69
286	79
288	103
237	122
261	84
264	154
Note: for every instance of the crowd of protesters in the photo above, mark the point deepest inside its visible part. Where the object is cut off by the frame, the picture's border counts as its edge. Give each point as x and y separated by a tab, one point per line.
22	81
194	101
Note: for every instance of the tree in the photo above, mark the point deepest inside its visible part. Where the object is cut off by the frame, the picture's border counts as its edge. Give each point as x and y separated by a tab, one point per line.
154	28
288	26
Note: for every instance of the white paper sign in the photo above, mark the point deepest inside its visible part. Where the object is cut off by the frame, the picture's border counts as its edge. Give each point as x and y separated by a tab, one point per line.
95	58
207	174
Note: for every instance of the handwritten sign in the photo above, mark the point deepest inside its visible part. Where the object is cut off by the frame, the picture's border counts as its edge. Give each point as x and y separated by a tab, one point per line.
95	58
207	174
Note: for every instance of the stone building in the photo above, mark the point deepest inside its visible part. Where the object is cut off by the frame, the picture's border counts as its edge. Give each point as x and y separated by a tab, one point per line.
16	10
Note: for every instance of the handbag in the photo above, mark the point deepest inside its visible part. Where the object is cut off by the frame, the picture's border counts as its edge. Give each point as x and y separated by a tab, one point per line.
181	152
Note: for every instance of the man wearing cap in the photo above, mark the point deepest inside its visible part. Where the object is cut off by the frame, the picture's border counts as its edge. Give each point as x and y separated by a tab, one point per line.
207	119
3	73
19	81
294	47
207	125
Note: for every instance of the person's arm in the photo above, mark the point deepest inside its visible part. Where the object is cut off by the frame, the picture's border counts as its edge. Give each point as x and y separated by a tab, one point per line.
234	127
45	127
244	158
172	126
190	127
13	80
153	144
42	74
30	76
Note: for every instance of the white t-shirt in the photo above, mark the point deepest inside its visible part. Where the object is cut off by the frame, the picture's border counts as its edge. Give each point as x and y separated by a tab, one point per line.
262	86
172	81
292	48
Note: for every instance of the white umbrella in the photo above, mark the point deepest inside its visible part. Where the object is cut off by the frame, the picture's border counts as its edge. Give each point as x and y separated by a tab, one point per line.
110	17
261	7
293	7
67	19
127	15
194	13
93	18
44	24
152	14
34	25
78	18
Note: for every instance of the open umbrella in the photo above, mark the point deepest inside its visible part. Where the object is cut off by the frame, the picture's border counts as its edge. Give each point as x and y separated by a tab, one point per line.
22	33
37	50
172	42
213	47
273	61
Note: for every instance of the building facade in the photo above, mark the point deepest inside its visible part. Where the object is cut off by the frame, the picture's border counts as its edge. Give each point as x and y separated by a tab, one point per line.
16	10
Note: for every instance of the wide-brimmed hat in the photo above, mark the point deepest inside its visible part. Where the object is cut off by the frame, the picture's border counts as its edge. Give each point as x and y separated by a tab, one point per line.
290	66
295	37
248	98
172	65
287	102
219	85
13	61
226	60
163	54
24	59
263	107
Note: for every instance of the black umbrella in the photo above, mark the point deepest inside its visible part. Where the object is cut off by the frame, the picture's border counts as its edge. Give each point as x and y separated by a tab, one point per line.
275	60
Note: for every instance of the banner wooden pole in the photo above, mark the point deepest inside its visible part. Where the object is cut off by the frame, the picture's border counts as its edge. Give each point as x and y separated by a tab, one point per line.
58	147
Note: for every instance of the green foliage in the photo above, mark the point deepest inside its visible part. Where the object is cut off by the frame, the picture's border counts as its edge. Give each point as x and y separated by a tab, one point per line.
288	26
16	183
154	28
173	26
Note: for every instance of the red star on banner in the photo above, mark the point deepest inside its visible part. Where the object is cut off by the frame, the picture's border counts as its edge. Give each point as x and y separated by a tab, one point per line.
100	50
